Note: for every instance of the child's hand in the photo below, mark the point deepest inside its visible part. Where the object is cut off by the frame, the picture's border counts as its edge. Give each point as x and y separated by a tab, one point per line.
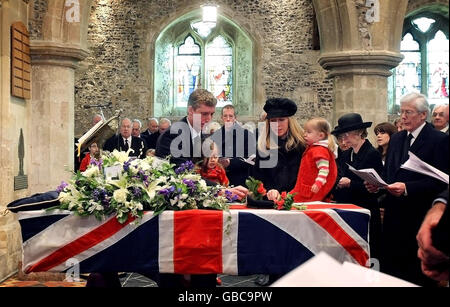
315	188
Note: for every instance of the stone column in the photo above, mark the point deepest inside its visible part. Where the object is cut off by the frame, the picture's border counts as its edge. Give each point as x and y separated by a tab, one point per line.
360	83
360	44
52	113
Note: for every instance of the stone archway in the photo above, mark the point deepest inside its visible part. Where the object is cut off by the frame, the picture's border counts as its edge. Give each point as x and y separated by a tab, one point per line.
359	52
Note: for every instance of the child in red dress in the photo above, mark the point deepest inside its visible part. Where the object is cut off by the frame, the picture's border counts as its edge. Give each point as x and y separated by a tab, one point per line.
318	171
210	168
94	153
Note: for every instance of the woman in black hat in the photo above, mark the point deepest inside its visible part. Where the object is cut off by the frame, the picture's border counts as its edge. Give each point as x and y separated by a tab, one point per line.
279	151
280	147
361	155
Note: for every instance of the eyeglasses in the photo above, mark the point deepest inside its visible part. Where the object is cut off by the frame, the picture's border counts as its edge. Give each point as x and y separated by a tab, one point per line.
407	112
435	114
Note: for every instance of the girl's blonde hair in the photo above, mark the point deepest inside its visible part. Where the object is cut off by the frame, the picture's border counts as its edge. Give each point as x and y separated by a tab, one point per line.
294	138
322	125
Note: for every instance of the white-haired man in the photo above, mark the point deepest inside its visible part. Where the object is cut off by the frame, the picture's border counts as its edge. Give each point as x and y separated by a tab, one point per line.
124	141
409	194
439	118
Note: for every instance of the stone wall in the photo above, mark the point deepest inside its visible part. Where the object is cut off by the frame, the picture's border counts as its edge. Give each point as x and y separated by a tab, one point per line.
122	35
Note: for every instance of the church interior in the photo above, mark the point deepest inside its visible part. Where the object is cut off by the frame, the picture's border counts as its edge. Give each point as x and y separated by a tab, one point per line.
63	61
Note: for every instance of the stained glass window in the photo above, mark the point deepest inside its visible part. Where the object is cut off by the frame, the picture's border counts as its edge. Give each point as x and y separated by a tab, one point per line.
188	70
219	64
408	72
424	68
215	68
438	69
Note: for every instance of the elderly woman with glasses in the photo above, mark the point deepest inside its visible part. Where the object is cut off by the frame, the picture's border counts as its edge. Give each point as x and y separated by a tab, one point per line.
361	155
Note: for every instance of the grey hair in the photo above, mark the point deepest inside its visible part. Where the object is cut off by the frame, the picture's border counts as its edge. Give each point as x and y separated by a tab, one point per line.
153	119
165	120
419	100
138	121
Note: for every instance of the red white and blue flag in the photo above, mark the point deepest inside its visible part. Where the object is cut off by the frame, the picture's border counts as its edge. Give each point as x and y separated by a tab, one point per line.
239	242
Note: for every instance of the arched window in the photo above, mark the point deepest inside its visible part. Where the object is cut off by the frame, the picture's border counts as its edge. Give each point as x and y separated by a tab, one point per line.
425	66
189	56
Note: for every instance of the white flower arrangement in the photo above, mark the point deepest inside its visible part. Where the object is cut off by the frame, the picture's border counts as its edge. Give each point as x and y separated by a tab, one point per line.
151	184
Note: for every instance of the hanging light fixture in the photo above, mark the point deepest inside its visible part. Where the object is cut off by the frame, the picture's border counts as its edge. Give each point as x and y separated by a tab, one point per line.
209	20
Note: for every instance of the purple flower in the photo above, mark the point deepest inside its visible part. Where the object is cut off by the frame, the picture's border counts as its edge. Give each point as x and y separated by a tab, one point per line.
126	165
62	186
98	163
230	197
137	192
186	166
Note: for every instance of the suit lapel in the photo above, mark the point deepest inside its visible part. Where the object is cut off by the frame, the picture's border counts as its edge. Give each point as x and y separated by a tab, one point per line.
421	140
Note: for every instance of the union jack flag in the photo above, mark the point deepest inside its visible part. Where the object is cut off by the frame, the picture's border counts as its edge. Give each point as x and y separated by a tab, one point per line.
239	242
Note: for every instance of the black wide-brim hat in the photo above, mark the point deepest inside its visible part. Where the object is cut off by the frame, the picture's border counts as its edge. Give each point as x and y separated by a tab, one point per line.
280	107
350	122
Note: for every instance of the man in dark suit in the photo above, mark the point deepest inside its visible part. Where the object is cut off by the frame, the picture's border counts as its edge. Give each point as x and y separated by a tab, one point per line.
439	118
183	143
164	124
434	240
410	193
125	141
235	145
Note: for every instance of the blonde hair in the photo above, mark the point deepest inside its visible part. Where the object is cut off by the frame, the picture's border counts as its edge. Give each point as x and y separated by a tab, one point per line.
322	125
294	138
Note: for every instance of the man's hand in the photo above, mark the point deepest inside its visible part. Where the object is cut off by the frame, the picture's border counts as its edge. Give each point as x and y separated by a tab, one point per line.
371	188
273	194
344	183
430	256
225	162
397	188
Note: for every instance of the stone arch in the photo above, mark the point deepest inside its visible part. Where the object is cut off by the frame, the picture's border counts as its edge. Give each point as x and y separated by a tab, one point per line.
56	27
238	22
435	6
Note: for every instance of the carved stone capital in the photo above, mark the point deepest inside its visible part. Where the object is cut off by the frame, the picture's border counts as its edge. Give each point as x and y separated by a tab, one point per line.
58	54
360	62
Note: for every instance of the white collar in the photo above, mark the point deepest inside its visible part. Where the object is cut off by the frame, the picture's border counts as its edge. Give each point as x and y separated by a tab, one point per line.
194	133
445	129
129	139
416	132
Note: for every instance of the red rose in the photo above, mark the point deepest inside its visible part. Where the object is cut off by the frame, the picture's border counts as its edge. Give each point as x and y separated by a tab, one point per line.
261	189
283	195
280	205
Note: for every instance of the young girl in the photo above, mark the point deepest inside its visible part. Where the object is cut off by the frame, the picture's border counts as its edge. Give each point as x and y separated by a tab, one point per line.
94	153
210	168
317	174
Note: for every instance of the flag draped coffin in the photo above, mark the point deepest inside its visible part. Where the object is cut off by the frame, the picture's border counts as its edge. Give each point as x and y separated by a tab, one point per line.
238	242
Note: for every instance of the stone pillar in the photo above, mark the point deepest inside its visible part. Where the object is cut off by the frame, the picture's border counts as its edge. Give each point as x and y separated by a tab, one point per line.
360	44
360	83
52	113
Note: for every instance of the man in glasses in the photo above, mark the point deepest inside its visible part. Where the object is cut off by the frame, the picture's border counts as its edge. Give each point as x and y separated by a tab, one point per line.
410	194
439	118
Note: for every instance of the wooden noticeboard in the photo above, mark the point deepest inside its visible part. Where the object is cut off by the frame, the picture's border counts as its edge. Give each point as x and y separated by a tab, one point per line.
20	61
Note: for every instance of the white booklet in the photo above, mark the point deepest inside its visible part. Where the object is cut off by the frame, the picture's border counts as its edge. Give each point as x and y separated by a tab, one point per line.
416	165
324	271
370	175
